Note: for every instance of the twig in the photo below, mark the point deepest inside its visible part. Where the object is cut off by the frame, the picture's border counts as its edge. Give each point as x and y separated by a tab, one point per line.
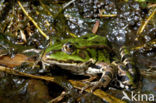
148	73
45	8
67	4
59	98
146	45
15	72
151	6
143	25
32	20
72	34
105	15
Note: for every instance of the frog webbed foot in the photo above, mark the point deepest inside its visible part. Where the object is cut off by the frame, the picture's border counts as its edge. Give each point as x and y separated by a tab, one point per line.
37	61
92	86
106	77
96	84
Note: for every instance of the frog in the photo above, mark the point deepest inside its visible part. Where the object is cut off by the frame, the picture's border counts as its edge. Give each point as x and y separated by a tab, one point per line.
91	55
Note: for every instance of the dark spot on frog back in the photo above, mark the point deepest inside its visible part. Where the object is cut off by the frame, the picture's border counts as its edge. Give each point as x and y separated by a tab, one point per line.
76	43
82	54
95	42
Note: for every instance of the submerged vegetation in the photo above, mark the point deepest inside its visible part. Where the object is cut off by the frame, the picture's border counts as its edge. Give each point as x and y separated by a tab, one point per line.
33	25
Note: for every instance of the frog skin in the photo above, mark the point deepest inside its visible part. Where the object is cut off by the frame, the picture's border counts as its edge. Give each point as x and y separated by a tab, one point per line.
91	55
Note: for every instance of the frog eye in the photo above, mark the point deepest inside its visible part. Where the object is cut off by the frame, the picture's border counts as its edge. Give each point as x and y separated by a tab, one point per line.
68	48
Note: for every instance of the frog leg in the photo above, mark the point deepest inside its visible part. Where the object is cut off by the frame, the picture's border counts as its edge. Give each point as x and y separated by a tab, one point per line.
127	60
107	75
37	52
126	78
41	59
37	61
91	78
130	70
103	82
88	63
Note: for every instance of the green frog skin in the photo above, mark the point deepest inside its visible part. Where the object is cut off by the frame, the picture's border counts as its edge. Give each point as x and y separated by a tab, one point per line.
91	55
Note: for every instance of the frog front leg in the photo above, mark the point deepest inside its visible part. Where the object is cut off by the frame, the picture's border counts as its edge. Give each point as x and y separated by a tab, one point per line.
107	72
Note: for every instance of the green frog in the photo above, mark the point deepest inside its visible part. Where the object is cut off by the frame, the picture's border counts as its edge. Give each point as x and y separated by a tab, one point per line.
92	55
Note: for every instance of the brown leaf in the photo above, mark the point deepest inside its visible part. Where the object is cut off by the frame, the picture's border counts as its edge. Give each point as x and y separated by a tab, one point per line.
17	60
96	26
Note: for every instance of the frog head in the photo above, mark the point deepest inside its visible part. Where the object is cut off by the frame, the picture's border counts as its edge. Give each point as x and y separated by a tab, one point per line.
79	49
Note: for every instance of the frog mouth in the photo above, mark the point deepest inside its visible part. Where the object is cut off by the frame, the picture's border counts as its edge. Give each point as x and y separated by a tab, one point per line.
62	61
